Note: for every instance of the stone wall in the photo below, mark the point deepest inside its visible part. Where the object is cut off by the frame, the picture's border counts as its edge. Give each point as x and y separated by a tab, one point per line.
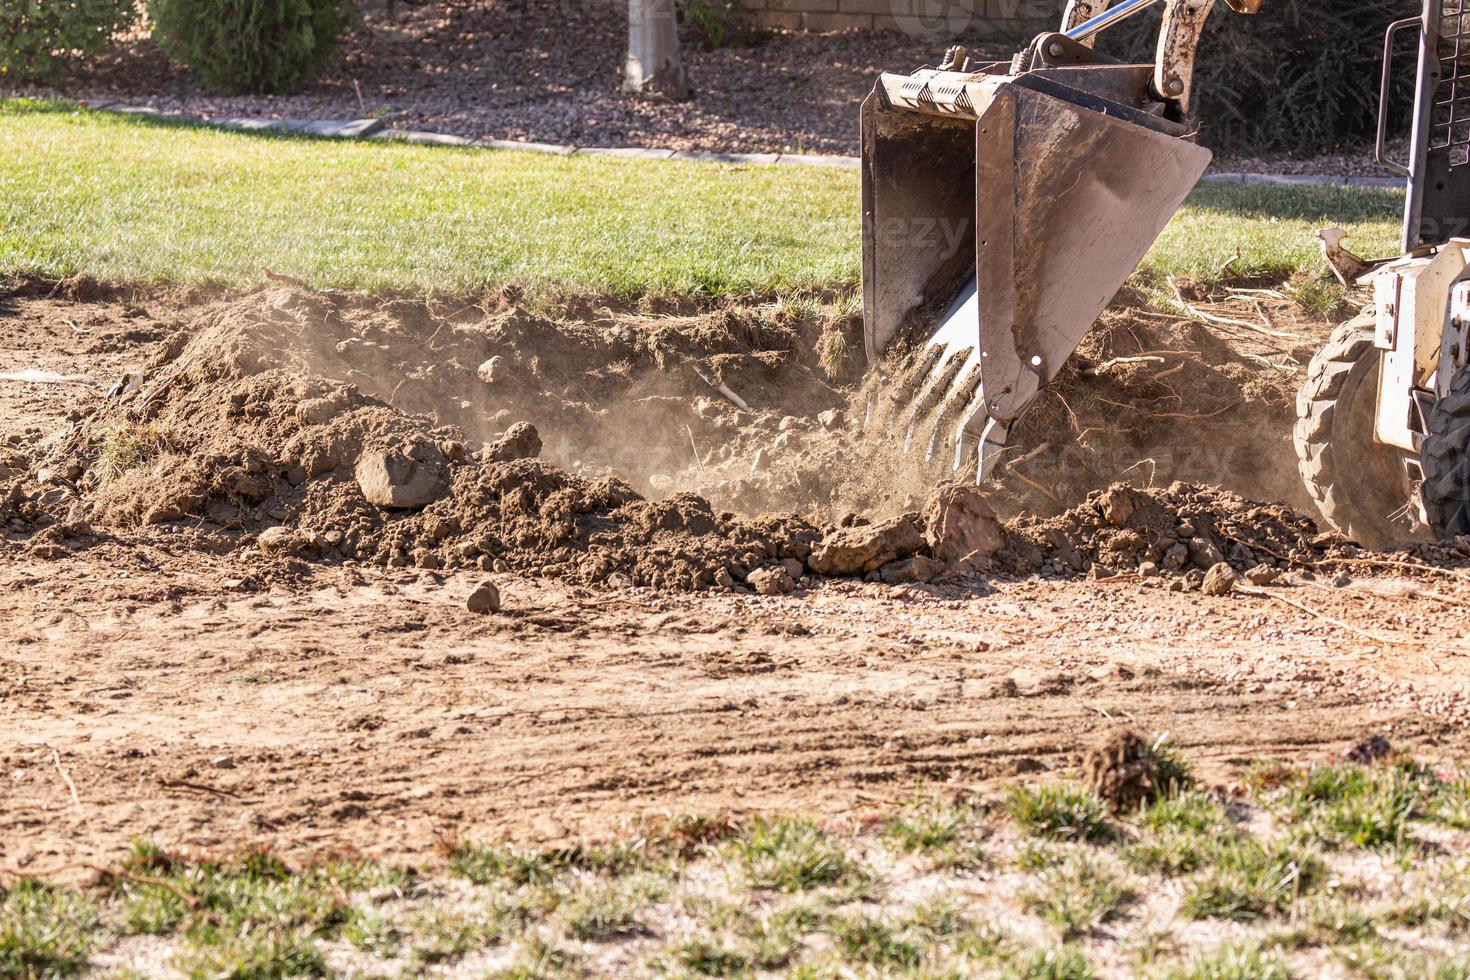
937	19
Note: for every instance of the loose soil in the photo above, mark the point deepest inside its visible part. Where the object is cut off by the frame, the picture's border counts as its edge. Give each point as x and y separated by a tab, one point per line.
217	638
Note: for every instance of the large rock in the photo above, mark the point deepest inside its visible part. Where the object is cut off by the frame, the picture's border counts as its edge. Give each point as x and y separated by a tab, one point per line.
961	523
1219	580
521	441
404	477
854	550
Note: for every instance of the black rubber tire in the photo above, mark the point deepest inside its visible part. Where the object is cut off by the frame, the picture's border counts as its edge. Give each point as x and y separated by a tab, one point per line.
1362	488
1446	461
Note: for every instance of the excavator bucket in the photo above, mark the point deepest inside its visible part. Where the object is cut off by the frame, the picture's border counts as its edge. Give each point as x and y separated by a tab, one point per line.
1002	211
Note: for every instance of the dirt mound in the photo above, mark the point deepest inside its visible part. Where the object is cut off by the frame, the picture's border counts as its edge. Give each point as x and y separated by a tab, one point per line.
335	426
236	427
1183	528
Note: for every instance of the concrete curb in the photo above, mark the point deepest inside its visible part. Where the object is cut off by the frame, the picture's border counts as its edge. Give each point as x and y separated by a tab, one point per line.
375	129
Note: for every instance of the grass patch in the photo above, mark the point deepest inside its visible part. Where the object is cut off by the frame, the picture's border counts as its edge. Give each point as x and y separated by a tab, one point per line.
1250	880
45	931
790	854
1062	813
945	834
1055	963
875	942
169	202
1232	963
610	910
1358	806
1185	833
1076	896
486	865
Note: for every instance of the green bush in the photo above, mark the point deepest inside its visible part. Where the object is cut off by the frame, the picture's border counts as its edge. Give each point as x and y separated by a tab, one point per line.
263	46
1301	77
38	37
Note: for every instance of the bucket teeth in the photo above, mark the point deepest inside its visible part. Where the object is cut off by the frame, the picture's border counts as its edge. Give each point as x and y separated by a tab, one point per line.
940	397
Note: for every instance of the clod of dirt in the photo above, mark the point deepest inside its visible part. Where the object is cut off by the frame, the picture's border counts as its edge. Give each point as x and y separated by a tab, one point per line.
485	599
1120	769
960	523
1262	575
919	569
1219	580
854	550
770	581
1370	750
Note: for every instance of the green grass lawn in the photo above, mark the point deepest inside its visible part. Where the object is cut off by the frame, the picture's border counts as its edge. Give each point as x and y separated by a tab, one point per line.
131	199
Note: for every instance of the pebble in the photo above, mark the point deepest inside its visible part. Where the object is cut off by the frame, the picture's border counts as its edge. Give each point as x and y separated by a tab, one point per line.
1341	580
1148	569
485	599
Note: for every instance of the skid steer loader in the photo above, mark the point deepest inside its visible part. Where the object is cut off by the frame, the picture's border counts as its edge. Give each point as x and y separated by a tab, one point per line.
1005	204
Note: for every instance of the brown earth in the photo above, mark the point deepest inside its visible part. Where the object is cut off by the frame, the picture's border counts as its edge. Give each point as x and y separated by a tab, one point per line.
215	638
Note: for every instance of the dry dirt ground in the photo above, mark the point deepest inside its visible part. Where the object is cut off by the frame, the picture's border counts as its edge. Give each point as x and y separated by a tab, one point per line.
175	680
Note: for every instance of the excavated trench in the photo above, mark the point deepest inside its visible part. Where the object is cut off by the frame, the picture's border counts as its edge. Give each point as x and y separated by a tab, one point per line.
722	449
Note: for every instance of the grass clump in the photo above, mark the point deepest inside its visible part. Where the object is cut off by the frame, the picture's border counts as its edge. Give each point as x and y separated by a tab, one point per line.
706	957
1249	880
44	930
945	834
875	942
1054	963
1185	833
1358	806
1076	895
1232	963
608	911
1062	813
790	854
484	865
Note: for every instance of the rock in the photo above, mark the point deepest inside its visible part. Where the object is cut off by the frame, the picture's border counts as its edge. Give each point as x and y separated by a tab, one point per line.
492	370
787	424
1204	553
278	541
521	441
1219	580
1118	503
960	522
1341	580
1175	557
793	568
403	477
1100	571
485	599
1262	575
770	581
1148	570
832	418
853	550
916	569
1193	579
723	579
762	461
223	762
1177	585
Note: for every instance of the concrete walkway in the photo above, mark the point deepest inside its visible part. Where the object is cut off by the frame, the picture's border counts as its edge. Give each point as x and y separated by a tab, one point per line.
375	129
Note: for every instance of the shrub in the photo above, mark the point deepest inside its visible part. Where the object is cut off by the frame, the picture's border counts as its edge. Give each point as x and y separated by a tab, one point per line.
263	46
38	37
1300	77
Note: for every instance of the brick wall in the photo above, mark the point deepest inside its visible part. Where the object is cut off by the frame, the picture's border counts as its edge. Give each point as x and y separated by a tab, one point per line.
937	19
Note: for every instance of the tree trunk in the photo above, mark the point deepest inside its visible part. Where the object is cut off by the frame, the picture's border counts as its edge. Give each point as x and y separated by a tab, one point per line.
654	67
